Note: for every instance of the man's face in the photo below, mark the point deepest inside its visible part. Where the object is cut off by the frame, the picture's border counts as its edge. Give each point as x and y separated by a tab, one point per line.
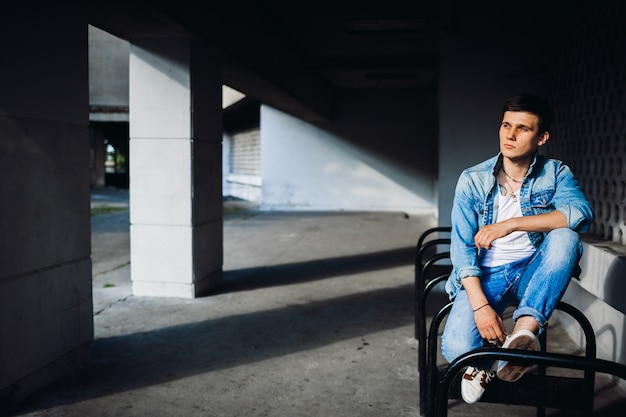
519	135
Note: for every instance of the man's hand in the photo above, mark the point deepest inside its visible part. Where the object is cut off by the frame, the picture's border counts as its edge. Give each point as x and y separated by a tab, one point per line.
488	322
490	325
537	223
487	234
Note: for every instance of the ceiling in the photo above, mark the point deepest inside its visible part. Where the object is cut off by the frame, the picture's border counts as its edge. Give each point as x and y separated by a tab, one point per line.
296	55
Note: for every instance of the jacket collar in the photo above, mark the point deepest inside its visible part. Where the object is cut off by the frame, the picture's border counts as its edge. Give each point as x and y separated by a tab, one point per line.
498	165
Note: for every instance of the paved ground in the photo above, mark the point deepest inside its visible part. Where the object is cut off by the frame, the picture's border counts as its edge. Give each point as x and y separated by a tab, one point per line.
313	318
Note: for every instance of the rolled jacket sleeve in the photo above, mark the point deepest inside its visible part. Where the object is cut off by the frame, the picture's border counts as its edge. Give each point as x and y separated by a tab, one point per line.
465	223
570	201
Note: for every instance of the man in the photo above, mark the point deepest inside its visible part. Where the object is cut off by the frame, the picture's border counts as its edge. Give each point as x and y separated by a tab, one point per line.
515	224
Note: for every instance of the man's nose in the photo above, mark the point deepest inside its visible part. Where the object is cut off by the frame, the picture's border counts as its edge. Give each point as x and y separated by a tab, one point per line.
510	134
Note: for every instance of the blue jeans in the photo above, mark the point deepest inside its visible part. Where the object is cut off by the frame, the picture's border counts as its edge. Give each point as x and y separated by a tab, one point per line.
536	283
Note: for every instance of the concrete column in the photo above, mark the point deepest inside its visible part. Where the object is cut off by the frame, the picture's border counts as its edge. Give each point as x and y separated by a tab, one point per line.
175	167
46	310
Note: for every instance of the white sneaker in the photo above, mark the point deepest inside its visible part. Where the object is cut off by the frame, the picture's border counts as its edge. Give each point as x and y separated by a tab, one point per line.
474	383
521	339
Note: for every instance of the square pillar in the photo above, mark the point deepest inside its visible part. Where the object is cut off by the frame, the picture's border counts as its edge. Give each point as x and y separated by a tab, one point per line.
175	167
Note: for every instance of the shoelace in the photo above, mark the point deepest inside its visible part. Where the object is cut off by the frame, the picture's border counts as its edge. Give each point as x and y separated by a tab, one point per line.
484	379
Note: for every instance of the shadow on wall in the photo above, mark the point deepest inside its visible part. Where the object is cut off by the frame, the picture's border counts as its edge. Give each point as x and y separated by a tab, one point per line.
614	290
615	284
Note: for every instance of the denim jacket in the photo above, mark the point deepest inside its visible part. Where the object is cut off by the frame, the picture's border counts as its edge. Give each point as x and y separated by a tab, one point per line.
549	185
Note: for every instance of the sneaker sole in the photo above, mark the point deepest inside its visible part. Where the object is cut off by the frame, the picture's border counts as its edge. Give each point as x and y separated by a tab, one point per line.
512	372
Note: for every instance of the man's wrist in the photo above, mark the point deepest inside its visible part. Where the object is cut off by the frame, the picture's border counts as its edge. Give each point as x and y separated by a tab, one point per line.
484	305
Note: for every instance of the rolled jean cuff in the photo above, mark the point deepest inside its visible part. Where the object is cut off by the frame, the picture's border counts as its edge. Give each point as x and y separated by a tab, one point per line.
529	311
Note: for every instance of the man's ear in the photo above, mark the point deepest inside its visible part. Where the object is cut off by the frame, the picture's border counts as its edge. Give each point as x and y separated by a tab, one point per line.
543	138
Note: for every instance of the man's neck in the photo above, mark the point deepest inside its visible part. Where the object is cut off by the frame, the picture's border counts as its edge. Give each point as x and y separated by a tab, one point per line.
516	169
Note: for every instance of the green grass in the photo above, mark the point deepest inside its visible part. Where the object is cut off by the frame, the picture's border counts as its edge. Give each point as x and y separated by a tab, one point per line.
95	211
229	210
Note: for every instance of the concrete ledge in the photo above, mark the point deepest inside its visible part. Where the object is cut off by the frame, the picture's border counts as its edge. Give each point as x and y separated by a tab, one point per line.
599	294
604	272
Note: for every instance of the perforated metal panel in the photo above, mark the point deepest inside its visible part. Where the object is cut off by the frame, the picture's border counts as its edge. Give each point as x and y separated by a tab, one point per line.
587	89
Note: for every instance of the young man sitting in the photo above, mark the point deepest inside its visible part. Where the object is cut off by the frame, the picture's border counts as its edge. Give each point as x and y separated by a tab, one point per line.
515	224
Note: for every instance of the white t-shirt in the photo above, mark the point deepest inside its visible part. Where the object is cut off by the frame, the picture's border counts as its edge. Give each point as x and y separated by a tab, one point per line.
513	247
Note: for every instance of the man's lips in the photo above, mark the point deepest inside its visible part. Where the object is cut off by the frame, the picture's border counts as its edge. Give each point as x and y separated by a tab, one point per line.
508	146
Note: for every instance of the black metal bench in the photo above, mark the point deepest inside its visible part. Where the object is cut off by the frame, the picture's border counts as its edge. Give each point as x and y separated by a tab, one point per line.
437	384
428	257
573	393
544	391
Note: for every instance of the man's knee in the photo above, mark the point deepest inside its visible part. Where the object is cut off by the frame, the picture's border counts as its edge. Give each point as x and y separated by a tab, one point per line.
565	240
452	348
456	343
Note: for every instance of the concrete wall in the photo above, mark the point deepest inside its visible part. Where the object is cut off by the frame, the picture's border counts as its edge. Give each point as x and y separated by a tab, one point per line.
242	165
587	87
108	76
475	80
46	313
226	151
377	153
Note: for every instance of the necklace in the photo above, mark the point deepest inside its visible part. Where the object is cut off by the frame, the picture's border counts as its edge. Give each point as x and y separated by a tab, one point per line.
506	192
507	189
509	177
508	184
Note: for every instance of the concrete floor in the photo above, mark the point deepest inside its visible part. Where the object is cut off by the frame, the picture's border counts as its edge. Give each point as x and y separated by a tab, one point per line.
314	317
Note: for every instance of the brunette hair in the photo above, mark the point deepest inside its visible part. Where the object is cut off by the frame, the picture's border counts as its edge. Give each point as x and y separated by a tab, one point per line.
531	103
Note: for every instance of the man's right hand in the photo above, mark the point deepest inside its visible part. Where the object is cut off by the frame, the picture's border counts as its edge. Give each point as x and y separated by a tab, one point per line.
490	324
